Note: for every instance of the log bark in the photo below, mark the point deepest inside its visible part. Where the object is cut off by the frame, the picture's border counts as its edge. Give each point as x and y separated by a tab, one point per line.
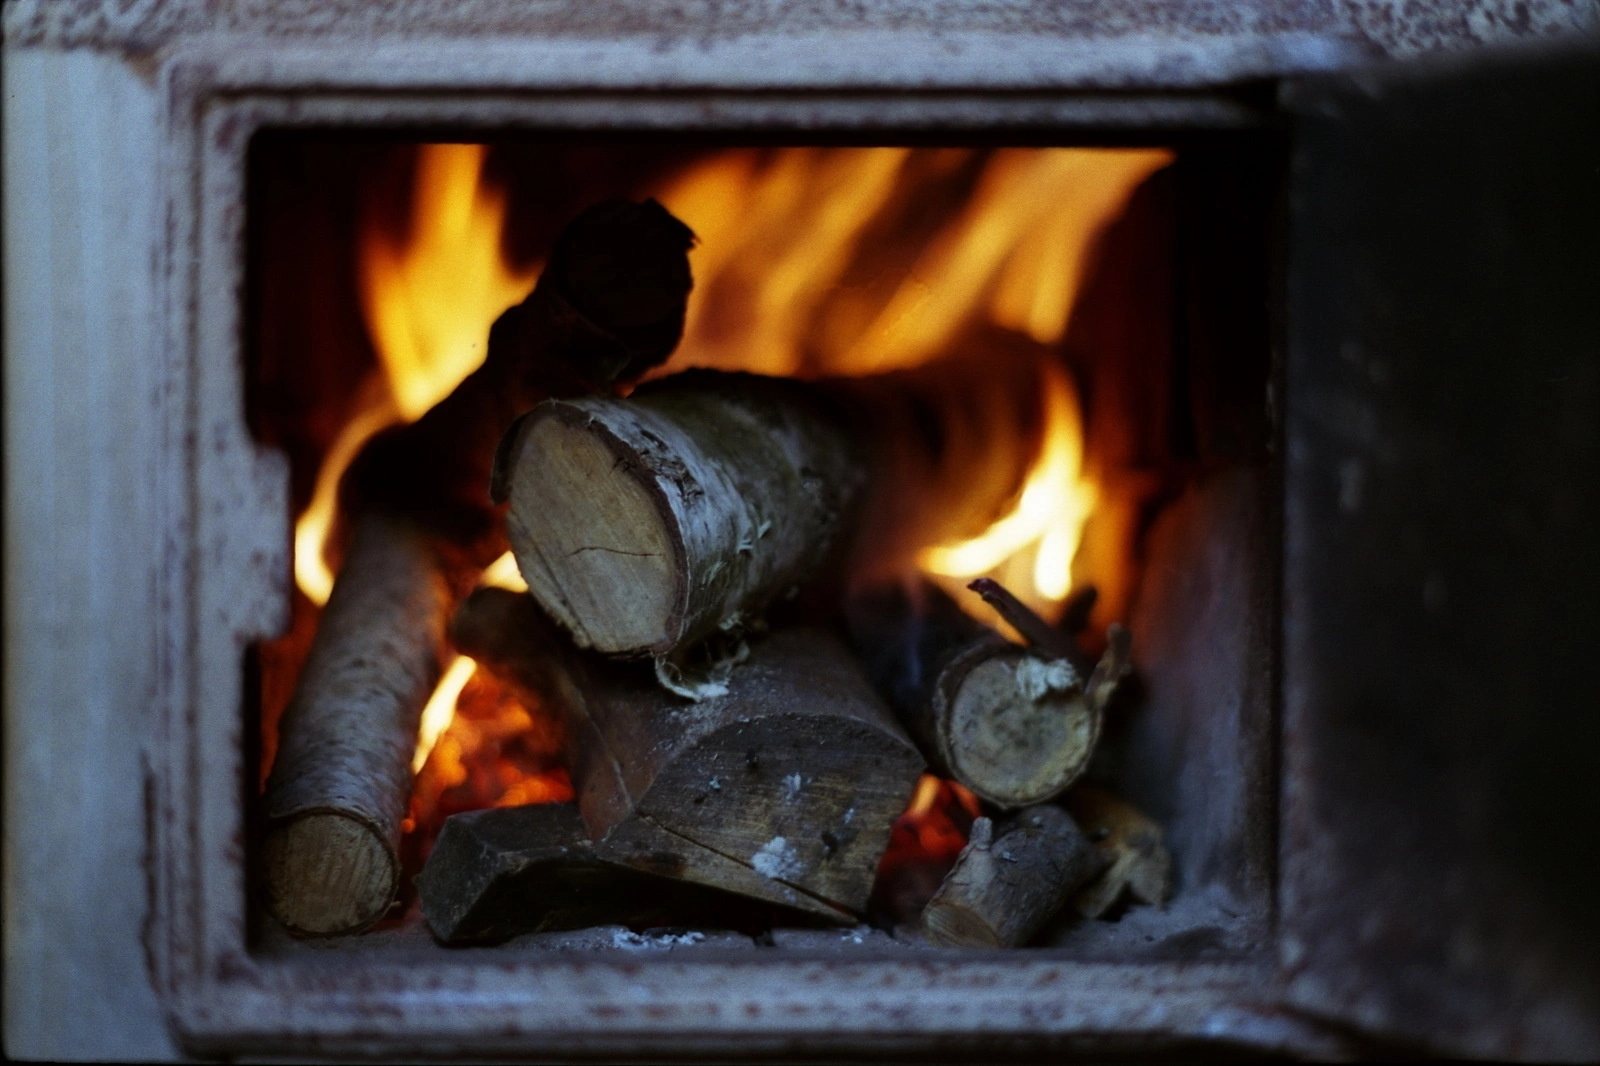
499	873
339	783
643	525
1012	724
1137	861
1006	883
783	788
610	304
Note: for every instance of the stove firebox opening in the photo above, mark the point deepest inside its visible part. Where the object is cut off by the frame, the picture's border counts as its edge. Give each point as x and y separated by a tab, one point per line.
725	546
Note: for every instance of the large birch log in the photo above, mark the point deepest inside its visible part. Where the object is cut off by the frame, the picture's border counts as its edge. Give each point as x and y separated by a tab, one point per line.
610	304
1012	724
1006	883
782	788
645	524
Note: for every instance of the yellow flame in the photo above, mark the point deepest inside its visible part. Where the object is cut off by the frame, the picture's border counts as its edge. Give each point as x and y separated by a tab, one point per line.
922	799
429	297
441	708
503	574
789	279
1050	514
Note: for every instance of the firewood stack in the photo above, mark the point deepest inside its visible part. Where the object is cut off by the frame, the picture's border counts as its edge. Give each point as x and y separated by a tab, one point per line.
730	748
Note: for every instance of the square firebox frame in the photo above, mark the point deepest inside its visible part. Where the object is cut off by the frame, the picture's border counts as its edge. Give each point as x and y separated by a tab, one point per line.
227	998
228	546
148	548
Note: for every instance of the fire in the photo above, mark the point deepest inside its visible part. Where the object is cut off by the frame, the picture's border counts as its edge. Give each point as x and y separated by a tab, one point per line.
1048	517
793	277
429	297
441	707
811	261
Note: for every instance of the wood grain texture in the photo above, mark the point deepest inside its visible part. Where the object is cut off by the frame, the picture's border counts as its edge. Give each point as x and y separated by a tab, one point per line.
645	524
344	757
502	872
1012	725
1007	882
784	788
642	525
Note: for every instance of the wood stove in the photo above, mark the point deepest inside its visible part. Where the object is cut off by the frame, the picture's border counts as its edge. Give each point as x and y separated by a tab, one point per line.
1387	749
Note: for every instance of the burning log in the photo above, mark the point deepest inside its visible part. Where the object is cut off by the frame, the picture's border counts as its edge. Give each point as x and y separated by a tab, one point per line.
643	525
782	788
1005	884
1016	726
499	873
609	305
1138	862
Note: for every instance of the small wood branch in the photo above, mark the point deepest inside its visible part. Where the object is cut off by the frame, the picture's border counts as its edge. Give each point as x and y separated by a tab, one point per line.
1007	882
1137	861
1041	635
643	525
783	788
499	873
1010	724
610	304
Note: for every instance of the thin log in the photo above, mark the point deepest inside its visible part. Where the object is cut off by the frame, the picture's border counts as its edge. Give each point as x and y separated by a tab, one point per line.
782	788
339	783
1137	861
610	303
499	873
643	525
1009	723
1006	883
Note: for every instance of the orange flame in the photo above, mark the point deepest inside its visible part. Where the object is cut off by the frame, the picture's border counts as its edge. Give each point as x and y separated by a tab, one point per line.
845	261
429	297
787	283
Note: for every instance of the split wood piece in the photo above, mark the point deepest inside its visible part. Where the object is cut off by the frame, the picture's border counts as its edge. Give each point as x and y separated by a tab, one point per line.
1006	883
643	525
499	873
342	775
783	789
1012	725
610	304
1133	845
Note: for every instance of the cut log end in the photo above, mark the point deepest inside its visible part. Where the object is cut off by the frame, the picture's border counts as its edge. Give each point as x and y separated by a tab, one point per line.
594	547
328	874
1019	729
1004	886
